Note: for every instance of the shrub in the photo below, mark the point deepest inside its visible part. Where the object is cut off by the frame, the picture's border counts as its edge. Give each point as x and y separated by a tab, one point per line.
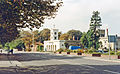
118	53
111	53
86	51
80	51
71	50
90	51
60	50
65	50
74	51
40	48
96	53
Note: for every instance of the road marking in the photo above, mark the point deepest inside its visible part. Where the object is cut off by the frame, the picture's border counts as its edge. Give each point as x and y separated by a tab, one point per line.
111	71
65	61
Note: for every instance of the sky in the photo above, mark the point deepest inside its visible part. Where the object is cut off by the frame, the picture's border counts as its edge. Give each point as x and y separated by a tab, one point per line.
76	14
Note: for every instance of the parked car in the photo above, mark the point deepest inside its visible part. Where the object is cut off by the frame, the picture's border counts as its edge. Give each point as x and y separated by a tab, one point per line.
101	51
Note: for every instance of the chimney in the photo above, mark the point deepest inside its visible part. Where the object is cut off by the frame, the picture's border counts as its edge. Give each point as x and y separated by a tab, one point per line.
107	32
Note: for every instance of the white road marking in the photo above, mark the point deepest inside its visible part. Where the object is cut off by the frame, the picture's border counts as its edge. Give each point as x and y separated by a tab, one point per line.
111	71
64	61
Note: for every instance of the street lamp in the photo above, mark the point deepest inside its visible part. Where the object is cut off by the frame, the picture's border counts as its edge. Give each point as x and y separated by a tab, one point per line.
32	39
115	43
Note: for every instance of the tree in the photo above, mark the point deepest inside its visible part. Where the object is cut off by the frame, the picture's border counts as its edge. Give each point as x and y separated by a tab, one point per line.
59	34
44	35
27	38
16	14
93	33
8	33
76	33
64	36
84	40
66	45
17	44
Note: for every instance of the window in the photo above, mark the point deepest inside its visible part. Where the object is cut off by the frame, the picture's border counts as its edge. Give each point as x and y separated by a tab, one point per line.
55	38
55	33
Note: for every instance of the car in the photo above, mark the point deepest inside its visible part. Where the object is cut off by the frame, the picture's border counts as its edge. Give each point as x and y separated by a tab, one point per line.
101	51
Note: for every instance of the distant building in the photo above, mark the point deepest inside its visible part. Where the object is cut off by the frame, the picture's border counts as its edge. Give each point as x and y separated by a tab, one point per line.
112	41
54	44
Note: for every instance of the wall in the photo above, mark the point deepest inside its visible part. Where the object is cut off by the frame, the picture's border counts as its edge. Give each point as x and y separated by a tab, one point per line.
54	45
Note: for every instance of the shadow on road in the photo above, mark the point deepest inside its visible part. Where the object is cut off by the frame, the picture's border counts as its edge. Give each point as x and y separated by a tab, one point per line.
32	57
63	69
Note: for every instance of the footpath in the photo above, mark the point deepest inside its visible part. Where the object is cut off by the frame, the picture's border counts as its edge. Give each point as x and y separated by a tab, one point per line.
5	61
10	61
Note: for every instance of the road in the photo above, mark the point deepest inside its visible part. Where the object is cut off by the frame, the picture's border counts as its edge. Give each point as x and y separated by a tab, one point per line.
47	63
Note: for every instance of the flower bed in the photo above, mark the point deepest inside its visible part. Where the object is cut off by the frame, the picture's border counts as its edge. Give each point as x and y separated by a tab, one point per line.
96	55
79	53
118	56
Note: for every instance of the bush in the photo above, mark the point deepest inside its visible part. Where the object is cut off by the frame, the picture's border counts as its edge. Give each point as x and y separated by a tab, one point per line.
71	50
80	51
65	50
60	50
0	46
40	48
74	51
118	53
96	53
111	53
90	51
68	50
86	51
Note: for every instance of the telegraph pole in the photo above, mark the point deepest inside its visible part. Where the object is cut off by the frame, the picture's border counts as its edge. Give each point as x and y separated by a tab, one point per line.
109	43
109	46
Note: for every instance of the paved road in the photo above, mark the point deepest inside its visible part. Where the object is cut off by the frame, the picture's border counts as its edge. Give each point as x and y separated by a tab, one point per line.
46	63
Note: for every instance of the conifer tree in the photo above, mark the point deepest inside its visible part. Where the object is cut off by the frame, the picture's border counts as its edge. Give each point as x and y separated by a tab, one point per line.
94	32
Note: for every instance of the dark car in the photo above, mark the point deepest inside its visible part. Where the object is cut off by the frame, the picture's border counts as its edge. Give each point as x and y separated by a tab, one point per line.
101	51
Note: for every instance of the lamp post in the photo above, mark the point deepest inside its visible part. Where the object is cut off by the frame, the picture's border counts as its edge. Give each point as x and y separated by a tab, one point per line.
33	43
32	39
115	44
108	43
109	46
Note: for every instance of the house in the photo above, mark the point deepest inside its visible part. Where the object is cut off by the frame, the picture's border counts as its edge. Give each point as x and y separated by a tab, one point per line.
54	44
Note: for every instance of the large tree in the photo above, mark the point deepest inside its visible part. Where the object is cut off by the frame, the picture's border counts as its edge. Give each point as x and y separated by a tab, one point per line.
64	36
94	32
16	14
44	35
74	33
27	38
84	40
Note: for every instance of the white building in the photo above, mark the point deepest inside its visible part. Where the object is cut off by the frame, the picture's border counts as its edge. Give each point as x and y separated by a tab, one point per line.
54	44
112	44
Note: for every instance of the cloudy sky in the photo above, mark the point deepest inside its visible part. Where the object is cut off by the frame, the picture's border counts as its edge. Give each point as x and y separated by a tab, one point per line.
76	14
